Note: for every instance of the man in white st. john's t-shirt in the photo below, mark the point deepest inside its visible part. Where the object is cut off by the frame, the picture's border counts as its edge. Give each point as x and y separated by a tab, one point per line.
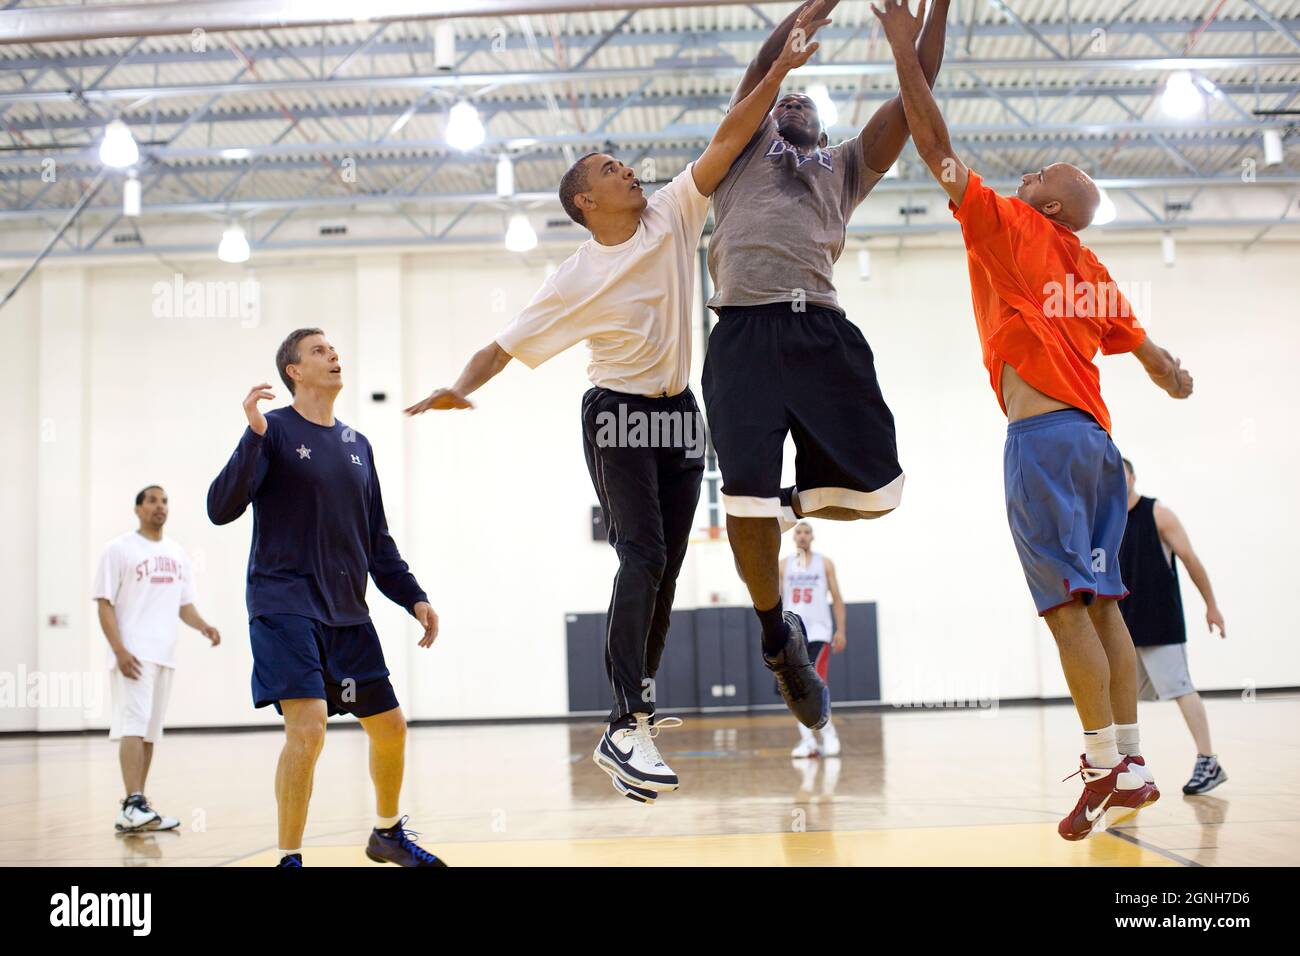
144	582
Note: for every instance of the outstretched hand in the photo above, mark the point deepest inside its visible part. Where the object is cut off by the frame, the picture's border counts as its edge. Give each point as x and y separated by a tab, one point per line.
440	400
1177	381
900	26
798	49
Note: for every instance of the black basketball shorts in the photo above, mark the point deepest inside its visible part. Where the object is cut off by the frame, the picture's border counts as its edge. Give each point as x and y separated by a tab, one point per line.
769	371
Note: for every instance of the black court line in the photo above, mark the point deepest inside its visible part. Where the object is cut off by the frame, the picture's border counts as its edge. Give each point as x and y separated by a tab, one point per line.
1167	854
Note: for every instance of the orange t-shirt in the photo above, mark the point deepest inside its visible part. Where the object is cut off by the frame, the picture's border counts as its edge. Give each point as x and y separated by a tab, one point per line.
1043	302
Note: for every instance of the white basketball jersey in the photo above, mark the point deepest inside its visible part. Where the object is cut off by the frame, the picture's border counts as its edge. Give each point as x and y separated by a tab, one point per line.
806	593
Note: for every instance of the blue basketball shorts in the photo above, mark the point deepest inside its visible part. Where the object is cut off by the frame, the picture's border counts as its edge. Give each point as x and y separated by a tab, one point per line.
1067	503
299	657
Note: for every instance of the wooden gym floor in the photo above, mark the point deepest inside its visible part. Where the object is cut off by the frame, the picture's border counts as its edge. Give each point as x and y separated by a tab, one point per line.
912	787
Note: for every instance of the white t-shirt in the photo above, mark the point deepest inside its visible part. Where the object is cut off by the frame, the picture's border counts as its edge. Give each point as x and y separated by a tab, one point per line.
147	582
632	302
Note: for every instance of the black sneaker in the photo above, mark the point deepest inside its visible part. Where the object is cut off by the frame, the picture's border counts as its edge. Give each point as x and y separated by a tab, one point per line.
1206	775
803	691
397	845
292	860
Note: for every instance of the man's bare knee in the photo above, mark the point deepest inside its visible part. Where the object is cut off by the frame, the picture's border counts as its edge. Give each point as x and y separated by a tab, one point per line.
304	725
1069	621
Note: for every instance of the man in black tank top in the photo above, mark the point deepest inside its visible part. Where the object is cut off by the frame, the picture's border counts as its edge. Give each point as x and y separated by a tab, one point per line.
1154	540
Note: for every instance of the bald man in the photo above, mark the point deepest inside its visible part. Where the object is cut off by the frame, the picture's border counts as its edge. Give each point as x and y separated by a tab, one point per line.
1067	498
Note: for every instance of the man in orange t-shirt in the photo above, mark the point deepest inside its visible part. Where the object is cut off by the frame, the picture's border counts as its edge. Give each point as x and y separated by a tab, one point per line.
1044	306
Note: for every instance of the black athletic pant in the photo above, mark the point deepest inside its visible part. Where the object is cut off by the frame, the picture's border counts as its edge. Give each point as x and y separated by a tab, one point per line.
648	493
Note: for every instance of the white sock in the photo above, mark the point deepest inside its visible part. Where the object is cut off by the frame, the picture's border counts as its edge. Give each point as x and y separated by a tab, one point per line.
828	729
284	853
806	735
386	823
1099	747
1126	740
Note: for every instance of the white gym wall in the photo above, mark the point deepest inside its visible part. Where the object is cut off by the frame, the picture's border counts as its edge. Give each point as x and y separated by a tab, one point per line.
491	507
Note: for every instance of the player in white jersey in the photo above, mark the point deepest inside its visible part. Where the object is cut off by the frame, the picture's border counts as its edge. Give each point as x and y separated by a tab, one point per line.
144	583
809	589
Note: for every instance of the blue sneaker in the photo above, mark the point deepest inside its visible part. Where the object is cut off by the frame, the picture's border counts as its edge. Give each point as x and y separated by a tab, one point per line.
292	860
397	845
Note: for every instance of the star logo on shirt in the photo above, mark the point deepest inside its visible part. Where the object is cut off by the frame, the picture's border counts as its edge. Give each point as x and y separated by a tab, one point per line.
303	452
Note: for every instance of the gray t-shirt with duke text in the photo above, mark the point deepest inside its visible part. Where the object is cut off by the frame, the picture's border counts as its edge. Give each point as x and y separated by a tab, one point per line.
780	220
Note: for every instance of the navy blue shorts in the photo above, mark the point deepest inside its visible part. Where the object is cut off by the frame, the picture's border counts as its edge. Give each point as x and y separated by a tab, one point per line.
298	657
1067	503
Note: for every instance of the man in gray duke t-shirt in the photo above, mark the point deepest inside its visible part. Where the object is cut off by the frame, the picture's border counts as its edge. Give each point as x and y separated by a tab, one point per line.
783	359
781	216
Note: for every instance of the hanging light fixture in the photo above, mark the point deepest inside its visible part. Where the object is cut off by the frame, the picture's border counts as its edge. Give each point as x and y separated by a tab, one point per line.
864	264
1272	147
119	149
1106	211
464	128
444	46
520	236
505	176
826	109
234	245
1168	249
131	196
1182	98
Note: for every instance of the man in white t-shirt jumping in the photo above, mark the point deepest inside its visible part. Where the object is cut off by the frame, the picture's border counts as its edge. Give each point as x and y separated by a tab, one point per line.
629	291
810	589
145	581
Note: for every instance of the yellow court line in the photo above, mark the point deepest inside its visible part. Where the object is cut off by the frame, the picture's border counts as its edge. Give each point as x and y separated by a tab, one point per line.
1029	844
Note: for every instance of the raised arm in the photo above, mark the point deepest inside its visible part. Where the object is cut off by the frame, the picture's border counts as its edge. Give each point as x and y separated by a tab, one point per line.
771	49
482	366
1165	370
1175	538
233	489
745	117
929	131
886	132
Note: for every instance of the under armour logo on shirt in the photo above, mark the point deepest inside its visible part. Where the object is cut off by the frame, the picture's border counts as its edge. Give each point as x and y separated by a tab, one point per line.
303	452
356	460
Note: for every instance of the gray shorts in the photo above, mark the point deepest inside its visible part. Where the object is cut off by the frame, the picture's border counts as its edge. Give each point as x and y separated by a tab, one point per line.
1162	672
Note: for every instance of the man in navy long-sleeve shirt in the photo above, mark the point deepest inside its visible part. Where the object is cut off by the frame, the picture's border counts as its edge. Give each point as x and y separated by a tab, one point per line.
318	532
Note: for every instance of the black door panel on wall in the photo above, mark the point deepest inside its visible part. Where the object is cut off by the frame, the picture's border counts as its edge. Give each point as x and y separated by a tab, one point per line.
712	660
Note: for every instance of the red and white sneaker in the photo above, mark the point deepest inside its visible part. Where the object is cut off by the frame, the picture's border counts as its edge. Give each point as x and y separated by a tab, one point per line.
1135	764
1116	788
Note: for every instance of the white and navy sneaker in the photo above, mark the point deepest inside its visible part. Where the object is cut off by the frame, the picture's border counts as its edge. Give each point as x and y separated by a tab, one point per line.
638	794
137	815
628	751
1206	775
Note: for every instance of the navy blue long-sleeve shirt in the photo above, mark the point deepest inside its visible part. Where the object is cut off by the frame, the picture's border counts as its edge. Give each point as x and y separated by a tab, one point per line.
318	521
